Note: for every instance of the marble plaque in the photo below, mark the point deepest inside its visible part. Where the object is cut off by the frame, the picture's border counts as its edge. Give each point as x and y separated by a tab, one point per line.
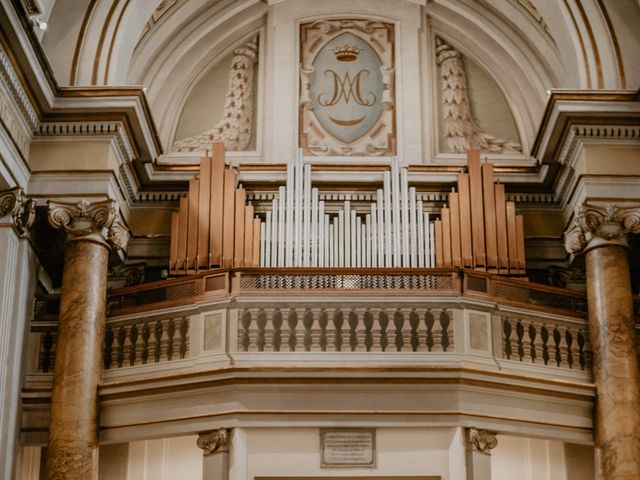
348	448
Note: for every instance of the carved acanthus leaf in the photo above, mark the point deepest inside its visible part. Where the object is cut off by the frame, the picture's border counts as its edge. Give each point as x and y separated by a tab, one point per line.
460	128
480	440
234	128
594	224
214	441
91	221
14	202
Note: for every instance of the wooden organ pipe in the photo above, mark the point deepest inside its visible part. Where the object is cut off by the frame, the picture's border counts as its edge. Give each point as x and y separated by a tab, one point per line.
213	227
479	228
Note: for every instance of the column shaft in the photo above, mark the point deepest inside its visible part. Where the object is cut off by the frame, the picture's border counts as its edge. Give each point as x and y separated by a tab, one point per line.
73	427
611	325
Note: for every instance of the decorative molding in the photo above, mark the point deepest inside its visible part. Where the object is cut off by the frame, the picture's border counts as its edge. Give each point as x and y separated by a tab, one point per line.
236	124
596	225
214	441
97	221
480	440
576	137
14	202
460	128
8	75
116	130
380	138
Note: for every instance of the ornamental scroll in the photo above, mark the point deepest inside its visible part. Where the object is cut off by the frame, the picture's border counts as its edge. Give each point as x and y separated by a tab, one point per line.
347	97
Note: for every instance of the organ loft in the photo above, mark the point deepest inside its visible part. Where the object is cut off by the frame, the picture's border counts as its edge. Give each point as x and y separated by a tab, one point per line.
302	240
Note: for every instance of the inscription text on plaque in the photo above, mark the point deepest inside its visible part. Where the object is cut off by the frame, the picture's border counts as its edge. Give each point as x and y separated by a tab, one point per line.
348	448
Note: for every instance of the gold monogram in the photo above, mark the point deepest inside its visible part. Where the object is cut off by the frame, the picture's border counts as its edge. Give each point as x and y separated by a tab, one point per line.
347	88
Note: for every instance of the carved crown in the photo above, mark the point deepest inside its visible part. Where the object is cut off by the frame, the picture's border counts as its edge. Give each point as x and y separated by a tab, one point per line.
346	53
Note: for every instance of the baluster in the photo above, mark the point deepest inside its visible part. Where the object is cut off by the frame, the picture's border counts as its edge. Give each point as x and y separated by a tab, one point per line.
47	351
122	337
383	319
292	322
246	325
556	340
544	333
133	338
157	333
338	321
414	321
445	321
353	330
506	330
262	323
368	325
581	352
277	330
519	336
108	347
568	337
146	333
536	343
184	330
323	322
307	322
398	322
429	322
171	331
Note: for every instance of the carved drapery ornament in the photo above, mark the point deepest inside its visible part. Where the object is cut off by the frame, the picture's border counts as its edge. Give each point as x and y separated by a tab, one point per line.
596	225
236	124
214	441
480	440
22	209
461	131
97	221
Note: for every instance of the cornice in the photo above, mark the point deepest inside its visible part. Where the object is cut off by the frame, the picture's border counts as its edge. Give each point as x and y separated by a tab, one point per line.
577	137
568	108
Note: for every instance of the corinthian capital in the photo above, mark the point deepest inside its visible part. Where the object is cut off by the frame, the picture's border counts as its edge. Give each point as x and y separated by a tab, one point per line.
14	202
214	441
596	225
97	221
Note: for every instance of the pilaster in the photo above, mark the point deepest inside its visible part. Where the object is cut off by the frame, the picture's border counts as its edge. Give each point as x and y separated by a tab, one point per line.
215	445
17	213
479	444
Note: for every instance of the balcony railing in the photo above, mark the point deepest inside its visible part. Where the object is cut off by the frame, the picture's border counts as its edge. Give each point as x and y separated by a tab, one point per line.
348	282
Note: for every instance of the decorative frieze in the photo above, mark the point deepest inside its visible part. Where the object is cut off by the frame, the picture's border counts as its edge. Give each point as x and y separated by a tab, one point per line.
596	225
97	221
22	209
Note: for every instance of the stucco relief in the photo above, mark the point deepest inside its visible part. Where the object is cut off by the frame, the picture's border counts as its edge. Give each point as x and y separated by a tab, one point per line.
461	129
347	88
236	125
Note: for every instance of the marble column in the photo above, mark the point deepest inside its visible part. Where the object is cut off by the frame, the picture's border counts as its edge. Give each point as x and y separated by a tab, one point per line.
479	444
92	230
215	461
17	281
600	233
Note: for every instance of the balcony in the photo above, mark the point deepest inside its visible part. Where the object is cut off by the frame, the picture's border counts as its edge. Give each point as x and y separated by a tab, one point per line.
240	344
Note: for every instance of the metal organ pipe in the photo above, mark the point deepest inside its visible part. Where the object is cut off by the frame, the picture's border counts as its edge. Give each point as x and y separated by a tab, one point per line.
299	232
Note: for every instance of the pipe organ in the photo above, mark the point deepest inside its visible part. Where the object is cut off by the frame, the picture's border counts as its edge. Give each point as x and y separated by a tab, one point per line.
394	232
479	228
215	227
